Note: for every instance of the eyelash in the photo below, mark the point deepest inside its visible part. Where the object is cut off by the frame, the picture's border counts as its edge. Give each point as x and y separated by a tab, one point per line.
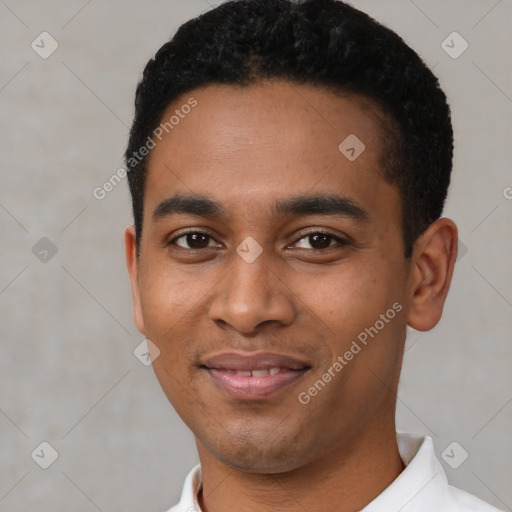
340	241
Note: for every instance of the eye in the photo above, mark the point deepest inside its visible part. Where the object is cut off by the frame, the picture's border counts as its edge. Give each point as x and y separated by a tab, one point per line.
318	241
194	240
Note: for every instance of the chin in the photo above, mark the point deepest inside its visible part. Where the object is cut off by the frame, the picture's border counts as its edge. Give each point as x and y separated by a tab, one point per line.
257	465
264	456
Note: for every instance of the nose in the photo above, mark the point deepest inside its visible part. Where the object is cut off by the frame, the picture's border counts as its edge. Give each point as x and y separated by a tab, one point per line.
251	295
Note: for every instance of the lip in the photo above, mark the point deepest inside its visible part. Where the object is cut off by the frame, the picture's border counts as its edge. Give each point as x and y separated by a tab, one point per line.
225	371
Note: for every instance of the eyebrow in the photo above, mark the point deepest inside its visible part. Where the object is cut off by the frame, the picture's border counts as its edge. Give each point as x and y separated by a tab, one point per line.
332	205
192	205
329	205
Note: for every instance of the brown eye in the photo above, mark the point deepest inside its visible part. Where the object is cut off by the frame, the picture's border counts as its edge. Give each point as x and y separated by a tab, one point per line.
318	241
197	240
193	241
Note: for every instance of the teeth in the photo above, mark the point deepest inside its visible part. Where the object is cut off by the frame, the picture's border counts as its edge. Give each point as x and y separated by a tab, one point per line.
255	373
259	373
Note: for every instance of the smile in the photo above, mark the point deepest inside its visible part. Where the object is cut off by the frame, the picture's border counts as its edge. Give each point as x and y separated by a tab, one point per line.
253	376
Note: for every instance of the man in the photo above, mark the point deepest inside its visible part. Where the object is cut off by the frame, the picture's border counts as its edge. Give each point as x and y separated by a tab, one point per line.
289	164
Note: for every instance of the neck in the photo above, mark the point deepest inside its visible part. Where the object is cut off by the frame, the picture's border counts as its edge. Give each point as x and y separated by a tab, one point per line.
348	478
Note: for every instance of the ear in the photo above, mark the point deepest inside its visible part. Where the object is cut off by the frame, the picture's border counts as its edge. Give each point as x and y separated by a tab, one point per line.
433	260
132	263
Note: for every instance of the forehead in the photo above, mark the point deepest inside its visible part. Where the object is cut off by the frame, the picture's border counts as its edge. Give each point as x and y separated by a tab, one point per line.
267	140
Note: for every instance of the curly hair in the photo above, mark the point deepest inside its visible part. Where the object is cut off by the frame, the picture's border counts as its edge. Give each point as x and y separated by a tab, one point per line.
324	43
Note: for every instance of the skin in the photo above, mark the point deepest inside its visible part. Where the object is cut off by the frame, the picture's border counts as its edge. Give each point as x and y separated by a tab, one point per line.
247	148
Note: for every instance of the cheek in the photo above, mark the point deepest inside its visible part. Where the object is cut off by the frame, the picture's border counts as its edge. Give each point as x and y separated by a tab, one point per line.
166	297
168	306
350	303
346	297
364	319
168	309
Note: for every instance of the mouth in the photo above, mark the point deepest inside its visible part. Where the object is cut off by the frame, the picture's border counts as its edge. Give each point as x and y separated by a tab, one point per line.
253	376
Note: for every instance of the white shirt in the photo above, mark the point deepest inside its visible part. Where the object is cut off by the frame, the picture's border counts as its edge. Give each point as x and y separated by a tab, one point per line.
421	487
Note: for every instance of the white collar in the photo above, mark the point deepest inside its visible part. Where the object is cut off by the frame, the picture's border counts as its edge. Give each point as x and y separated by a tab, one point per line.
421	487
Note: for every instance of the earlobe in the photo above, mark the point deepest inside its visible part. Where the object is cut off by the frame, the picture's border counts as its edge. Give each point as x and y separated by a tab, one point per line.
433	262
132	264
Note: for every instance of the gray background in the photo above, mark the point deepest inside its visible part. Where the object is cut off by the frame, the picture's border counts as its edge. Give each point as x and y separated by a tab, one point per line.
68	374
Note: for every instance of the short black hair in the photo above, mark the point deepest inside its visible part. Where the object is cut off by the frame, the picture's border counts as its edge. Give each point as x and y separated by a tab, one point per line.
324	43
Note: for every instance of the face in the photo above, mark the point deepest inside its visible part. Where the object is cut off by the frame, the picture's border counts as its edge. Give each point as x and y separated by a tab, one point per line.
267	256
